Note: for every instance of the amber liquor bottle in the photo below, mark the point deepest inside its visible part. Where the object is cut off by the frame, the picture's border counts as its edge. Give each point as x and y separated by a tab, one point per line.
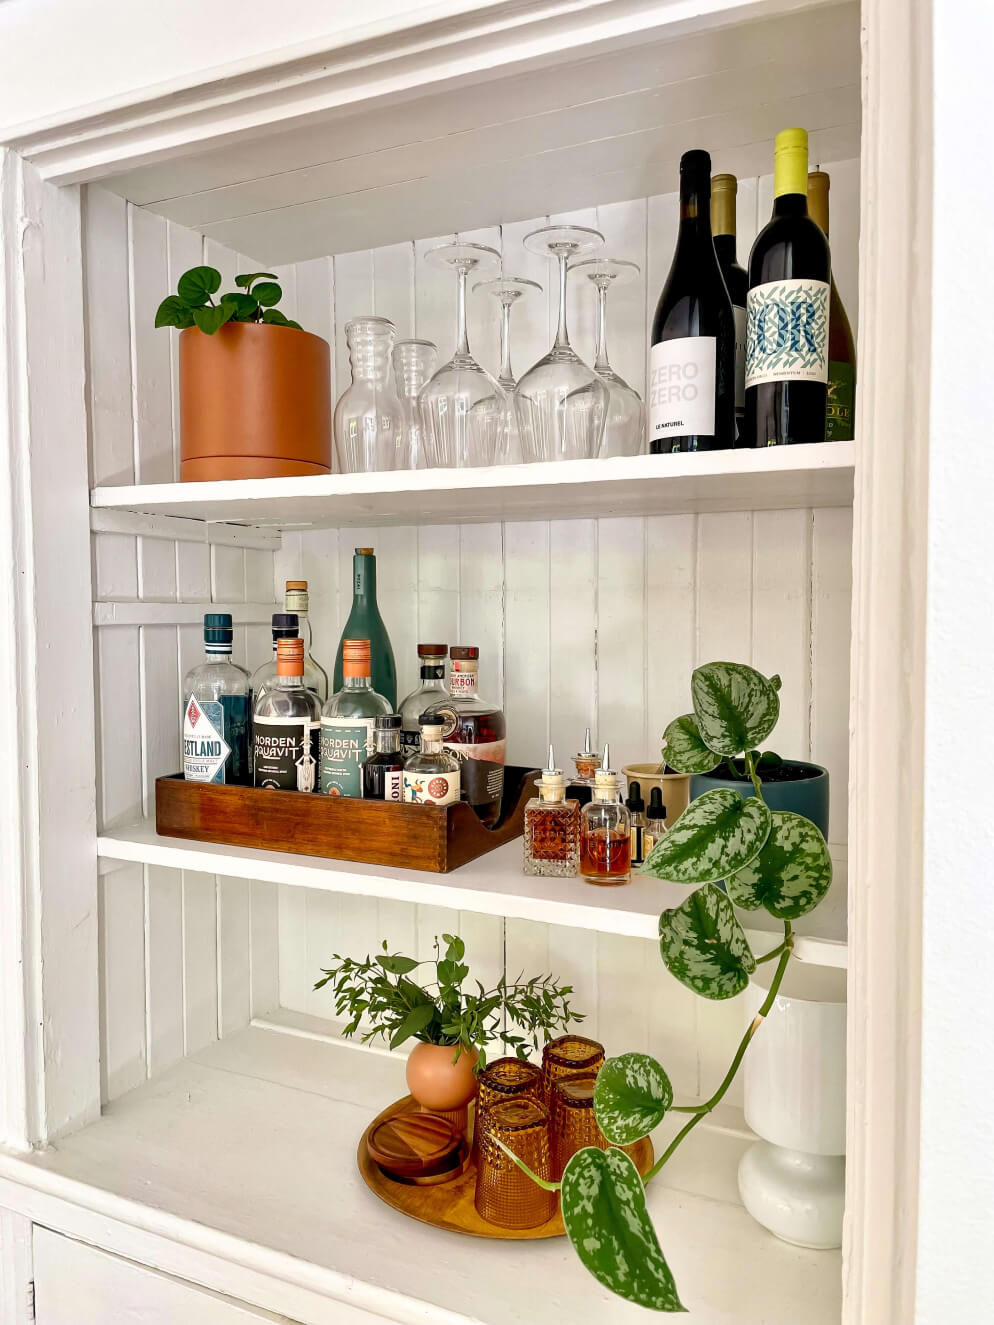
475	732
552	827
605	831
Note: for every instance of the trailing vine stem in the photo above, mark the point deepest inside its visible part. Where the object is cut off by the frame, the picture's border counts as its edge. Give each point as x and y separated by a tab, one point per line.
751	770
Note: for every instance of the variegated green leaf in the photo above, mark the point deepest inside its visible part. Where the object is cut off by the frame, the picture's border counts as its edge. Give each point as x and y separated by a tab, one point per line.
631	1097
683	748
790	875
736	707
603	1205
703	945
716	835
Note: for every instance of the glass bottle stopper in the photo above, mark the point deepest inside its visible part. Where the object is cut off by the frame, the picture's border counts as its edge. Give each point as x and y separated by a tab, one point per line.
553	785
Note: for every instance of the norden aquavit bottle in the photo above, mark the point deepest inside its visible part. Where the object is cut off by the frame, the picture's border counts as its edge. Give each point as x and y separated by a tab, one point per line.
348	721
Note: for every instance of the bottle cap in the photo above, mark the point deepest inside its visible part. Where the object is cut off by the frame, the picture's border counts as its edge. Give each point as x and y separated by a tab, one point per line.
290	656
553	785
606	779
433	650
387	721
355	657
285	624
296	597
217	631
300	586
364	552
635	802
657	810
463	652
430	726
790	165
696	162
724	184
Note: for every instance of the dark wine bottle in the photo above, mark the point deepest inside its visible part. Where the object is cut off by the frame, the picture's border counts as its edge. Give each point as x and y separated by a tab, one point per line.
787	311
692	360
365	622
723	191
840	410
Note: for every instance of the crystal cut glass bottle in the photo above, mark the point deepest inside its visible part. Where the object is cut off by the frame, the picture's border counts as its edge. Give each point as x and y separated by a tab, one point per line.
369	427
552	827
414	362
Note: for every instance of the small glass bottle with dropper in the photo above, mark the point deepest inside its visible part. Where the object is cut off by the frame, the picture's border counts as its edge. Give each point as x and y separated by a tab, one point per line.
636	808
655	821
605	831
552	827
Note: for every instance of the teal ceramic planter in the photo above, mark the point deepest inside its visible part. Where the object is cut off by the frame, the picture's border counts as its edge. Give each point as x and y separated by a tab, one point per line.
807	795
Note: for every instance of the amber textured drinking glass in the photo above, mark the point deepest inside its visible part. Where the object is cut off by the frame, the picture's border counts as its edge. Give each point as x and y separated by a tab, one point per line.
505	1079
504	1194
572	1118
570	1055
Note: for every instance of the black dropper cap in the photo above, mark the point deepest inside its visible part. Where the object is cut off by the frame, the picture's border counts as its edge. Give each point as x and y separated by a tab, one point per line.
387	721
657	810
635	802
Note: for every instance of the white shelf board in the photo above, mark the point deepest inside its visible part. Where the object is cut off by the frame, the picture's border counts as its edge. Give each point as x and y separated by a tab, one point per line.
247	1152
490	885
773	478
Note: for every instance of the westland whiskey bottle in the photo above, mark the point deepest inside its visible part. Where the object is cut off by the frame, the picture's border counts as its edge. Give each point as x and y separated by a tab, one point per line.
475	732
285	725
216	710
348	721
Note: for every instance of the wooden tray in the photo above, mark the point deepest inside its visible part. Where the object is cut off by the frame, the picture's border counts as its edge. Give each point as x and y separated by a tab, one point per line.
450	1205
438	838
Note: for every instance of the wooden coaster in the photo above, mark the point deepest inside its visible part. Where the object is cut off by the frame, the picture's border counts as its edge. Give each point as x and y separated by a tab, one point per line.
414	1143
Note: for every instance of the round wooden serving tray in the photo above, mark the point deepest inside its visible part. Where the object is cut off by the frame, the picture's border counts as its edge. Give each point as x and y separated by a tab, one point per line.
450	1204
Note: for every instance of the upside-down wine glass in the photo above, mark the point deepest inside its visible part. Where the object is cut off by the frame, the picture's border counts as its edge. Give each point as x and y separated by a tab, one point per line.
463	408
508	290
623	427
560	403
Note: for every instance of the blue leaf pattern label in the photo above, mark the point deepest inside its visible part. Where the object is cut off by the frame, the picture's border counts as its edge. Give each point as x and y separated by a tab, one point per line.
787	332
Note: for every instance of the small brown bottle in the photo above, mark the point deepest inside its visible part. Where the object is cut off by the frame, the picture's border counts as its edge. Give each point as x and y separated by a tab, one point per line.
552	827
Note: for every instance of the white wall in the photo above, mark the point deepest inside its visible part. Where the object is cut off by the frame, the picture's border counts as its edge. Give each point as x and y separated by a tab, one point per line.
955	1267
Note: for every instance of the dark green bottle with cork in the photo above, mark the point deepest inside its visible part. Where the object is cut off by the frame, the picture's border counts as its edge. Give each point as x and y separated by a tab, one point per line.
365	622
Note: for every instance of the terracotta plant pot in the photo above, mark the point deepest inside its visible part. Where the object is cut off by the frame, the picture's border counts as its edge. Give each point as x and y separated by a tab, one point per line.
255	402
675	787
438	1083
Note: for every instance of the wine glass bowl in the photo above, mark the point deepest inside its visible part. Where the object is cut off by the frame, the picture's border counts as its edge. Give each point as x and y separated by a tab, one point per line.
463	408
625	422
560	403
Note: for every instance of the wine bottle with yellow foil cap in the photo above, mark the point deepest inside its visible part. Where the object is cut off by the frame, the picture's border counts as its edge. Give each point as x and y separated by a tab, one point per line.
787	311
840	412
723	192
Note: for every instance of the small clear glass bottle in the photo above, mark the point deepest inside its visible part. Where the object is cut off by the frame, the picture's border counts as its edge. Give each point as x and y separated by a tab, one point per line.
383	771
369	426
414	361
655	821
216	710
298	602
432	690
636	808
285	725
348	719
552	827
605	831
432	776
285	626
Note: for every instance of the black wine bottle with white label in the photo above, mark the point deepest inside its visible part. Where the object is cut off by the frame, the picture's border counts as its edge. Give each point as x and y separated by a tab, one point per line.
787	311
692	359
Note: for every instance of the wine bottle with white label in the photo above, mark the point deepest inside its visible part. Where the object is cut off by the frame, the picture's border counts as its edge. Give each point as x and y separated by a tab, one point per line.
723	191
692	360
787	311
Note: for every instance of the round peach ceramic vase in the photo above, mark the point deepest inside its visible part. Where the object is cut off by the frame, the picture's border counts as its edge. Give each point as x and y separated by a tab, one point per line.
438	1080
255	402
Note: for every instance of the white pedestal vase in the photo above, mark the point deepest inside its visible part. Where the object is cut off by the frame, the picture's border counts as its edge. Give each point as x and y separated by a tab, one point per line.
792	1181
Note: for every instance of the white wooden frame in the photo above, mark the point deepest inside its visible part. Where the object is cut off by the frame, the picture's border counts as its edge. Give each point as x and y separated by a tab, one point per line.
48	1034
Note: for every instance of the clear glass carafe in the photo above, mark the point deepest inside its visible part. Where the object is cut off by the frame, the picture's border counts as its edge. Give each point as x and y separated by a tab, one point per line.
414	362
369	422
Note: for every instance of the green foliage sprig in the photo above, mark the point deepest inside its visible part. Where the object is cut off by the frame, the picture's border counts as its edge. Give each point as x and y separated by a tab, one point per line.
739	854
193	305
380	992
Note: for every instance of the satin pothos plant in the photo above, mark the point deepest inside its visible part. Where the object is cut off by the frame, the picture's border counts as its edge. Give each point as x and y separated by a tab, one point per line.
735	854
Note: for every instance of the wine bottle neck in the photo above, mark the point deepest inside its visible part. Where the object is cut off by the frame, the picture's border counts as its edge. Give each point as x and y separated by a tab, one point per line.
364	579
695	207
790	204
724	246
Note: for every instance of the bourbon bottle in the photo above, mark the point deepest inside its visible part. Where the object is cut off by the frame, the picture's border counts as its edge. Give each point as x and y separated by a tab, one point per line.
552	827
474	731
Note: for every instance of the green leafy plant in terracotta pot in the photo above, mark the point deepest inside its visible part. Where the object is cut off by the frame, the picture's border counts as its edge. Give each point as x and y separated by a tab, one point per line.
382	999
768	859
255	388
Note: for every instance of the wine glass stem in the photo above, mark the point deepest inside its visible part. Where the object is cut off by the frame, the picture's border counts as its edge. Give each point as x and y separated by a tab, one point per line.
562	336
600	361
462	339
505	344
